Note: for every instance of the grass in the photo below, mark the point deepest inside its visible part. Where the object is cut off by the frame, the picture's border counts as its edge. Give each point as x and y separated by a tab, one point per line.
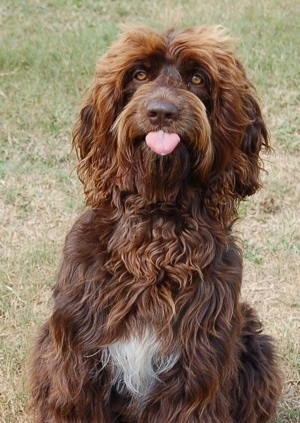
47	57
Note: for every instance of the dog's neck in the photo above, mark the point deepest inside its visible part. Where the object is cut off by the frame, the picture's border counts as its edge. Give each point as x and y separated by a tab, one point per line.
190	201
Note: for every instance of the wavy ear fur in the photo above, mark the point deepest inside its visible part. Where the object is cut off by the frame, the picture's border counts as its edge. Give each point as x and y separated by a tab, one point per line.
255	139
239	134
83	133
93	140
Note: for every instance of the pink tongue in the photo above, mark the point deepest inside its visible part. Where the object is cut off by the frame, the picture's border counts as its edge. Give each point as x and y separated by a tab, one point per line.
161	142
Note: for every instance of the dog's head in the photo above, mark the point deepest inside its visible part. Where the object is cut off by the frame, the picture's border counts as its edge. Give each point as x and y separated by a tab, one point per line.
167	114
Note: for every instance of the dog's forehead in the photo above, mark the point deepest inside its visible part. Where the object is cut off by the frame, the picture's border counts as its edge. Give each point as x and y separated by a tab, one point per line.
189	49
171	45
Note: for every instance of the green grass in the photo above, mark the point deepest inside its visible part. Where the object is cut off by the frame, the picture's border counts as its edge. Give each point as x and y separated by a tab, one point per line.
48	52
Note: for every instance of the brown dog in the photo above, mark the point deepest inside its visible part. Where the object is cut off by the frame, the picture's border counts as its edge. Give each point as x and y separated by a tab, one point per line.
147	325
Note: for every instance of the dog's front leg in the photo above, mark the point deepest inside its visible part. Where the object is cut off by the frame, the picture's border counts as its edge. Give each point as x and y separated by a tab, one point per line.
66	388
70	382
188	396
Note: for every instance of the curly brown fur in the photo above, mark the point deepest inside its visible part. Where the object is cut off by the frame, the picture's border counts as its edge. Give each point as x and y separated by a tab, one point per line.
147	325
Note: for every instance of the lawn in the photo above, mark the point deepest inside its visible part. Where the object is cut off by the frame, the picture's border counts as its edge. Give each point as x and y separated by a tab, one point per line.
47	58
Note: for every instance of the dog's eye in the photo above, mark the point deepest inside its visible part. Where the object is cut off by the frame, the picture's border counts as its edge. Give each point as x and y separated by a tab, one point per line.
197	79
140	75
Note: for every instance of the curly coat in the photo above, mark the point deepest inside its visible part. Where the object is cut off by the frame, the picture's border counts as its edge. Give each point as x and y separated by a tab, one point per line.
147	325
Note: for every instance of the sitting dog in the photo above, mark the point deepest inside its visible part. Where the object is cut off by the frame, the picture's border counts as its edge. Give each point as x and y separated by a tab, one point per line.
147	325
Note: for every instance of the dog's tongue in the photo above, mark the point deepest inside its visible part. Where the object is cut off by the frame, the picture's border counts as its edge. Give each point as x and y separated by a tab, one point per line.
161	142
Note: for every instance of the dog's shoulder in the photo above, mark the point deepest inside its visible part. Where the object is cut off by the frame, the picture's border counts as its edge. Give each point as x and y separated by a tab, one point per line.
83	234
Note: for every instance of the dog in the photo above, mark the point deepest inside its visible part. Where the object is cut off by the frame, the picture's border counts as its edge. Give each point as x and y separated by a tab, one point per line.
147	324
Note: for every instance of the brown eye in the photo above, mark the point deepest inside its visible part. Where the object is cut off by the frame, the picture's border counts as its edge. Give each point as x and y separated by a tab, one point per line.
197	79
140	75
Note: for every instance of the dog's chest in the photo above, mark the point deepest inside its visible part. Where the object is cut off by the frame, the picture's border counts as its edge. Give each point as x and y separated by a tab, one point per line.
138	364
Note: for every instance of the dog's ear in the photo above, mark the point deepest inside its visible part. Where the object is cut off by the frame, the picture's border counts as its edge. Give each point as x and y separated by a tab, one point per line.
238	129
255	140
83	133
239	135
95	119
93	139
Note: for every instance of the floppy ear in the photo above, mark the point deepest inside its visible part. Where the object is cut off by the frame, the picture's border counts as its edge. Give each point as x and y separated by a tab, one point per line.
83	132
256	139
238	136
93	142
93	139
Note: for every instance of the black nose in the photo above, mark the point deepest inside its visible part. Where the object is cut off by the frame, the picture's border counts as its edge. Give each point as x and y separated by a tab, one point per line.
162	112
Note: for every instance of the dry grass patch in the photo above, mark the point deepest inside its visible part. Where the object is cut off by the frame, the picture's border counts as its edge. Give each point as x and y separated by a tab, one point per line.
271	235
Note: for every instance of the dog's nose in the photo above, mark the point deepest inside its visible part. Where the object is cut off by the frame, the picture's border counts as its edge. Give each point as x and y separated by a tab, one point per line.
162	112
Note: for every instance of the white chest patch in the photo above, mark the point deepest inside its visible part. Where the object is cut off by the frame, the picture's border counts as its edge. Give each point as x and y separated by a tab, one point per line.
137	364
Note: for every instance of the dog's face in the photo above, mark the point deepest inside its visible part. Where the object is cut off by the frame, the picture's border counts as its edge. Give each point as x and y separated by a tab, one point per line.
169	112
